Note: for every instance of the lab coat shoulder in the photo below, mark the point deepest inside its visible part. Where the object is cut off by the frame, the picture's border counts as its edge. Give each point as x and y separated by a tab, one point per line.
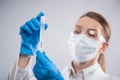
16	73
98	74
103	76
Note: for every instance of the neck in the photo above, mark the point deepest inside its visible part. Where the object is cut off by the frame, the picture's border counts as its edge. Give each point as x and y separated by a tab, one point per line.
80	66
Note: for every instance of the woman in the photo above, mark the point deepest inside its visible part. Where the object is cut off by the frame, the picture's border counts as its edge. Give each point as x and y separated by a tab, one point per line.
88	42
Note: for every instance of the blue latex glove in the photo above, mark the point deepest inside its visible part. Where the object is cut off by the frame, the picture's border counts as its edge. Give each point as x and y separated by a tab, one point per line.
45	69
30	34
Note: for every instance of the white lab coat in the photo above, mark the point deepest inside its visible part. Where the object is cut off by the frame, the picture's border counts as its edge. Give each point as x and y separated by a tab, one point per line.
16	73
92	73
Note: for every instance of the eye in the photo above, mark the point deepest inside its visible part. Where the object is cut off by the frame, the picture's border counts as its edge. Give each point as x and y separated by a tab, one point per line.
77	29
92	33
77	32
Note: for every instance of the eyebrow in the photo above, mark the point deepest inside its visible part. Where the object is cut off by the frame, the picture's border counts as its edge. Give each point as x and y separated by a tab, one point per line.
92	29
88	28
78	26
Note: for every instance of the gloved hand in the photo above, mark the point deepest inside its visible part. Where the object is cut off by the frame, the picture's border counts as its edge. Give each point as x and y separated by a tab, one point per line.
30	34
45	69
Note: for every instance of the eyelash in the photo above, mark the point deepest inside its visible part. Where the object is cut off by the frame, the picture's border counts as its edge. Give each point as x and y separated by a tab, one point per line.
77	32
91	35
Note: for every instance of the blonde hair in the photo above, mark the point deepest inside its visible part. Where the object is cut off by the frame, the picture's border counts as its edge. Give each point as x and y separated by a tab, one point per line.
106	32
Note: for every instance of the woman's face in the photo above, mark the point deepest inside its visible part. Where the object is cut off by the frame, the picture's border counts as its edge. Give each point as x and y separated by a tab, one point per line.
88	26
92	29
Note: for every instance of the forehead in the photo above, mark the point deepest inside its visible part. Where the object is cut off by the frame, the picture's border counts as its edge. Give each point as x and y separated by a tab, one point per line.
88	23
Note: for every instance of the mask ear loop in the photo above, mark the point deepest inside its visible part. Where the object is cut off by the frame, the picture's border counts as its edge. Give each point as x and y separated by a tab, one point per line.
101	38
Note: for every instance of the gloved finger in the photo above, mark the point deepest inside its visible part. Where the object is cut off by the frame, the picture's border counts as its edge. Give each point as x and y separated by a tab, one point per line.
31	25
39	16
25	28
39	72
36	23
45	56
46	26
37	68
39	77
41	60
36	72
38	63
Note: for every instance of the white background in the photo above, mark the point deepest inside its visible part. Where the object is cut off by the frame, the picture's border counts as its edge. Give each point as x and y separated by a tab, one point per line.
61	16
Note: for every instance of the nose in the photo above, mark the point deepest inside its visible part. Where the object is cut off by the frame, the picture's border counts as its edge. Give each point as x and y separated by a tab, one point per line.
83	31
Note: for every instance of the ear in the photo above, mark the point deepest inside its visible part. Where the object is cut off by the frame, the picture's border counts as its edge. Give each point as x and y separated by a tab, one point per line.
104	47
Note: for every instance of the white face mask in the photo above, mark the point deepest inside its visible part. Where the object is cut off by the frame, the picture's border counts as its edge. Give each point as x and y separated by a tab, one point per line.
83	48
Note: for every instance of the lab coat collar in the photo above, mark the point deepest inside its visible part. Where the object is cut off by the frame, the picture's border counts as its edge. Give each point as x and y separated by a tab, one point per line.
87	72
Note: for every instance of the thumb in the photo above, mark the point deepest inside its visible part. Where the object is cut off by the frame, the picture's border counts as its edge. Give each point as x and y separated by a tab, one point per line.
38	17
